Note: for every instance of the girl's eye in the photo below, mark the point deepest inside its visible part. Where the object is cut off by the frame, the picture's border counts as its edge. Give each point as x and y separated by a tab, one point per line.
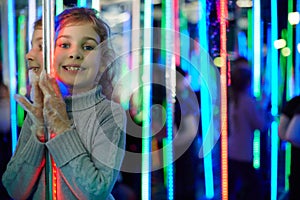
64	45
88	48
41	47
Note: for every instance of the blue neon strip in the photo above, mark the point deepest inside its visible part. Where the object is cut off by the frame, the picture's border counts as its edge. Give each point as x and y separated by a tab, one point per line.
205	100
81	3
169	44
274	100
170	172
12	70
59	6
146	128
242	44
274	159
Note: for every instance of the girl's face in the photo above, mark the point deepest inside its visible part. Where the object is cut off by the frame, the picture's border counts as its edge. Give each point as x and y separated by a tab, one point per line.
77	57
35	56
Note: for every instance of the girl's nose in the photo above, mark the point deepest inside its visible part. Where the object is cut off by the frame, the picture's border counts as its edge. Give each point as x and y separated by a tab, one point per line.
76	54
29	55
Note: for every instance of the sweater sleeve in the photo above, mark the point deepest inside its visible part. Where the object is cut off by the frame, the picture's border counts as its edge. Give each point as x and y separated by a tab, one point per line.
92	174
25	167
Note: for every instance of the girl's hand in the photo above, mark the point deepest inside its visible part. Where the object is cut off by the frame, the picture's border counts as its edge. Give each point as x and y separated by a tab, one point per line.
35	109
55	113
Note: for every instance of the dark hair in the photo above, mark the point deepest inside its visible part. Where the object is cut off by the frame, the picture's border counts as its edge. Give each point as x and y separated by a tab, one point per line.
38	24
75	16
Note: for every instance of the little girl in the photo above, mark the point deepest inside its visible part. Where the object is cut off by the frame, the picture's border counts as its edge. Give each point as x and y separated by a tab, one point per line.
87	130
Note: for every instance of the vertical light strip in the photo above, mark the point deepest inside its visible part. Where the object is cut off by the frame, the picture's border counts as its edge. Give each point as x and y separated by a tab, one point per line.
206	111
223	112
185	46
135	35
177	33
289	70
250	37
297	54
242	44
59	6
257	41
256	149
256	48
274	159
288	150
96	4
12	70
48	34
31	20
170	91
48	51
274	100
81	3
21	45
147	90
135	43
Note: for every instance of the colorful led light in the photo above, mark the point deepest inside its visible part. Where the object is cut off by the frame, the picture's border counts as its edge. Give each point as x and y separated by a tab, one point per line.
297	54
21	65
147	90
170	90
224	118
274	100
12	70
206	111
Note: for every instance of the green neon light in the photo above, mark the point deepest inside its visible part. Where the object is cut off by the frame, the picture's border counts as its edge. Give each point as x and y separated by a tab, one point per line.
256	149
257	41
250	36
21	44
289	69
287	166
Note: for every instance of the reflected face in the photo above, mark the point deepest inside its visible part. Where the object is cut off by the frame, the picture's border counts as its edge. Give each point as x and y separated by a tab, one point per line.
77	57
35	56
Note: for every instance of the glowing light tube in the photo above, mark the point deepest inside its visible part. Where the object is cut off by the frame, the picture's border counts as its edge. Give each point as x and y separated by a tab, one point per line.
147	90
31	20
170	94
205	100
256	47
289	70
274	100
242	41
224	117
12	70
59	6
48	50
21	65
297	54
81	3
256	42
96	5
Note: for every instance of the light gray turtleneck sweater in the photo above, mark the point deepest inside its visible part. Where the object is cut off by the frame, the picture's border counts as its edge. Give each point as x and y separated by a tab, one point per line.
88	157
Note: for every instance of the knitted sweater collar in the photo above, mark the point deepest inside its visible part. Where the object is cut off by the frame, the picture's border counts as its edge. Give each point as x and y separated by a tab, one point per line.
84	100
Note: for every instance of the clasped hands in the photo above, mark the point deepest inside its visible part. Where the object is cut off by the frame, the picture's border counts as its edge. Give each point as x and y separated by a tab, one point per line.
47	108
